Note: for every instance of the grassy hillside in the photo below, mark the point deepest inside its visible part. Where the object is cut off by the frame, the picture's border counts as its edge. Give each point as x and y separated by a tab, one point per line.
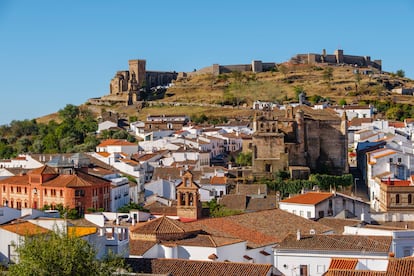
208	94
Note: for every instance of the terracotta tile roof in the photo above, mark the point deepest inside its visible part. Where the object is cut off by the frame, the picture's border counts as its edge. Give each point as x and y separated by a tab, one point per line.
396	182
259	228
25	228
157	208
116	142
235	202
402	266
343	263
250	189
103	153
379	244
162	225
218	180
139	247
43	170
130	162
172	173
80	179
144	157
207	241
338	224
397	124
311	198
359	121
347	272
261	203
180	267
18	179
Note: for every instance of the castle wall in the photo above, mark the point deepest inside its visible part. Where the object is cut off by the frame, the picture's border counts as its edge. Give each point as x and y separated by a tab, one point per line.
235	68
337	58
155	78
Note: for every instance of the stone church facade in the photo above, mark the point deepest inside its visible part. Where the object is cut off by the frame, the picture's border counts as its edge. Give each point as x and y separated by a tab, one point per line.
299	138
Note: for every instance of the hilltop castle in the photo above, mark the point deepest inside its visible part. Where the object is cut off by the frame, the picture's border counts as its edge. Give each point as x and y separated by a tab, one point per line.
337	58
130	86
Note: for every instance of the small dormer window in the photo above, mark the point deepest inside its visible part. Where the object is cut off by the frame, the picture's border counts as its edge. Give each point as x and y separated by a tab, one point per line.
187	182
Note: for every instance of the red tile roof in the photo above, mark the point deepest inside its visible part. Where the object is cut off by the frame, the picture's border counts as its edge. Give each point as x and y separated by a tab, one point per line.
180	267
396	182
354	243
43	170
25	228
403	266
80	179
116	142
218	180
259	228
18	179
343	263
312	198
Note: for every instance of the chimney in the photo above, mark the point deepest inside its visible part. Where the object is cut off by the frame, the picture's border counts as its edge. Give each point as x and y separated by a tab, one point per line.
298	235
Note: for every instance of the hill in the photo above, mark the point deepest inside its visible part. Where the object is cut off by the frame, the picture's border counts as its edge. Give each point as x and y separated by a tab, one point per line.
232	94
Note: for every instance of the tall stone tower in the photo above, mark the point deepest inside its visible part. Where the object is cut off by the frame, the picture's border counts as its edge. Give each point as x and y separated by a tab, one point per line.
137	67
188	198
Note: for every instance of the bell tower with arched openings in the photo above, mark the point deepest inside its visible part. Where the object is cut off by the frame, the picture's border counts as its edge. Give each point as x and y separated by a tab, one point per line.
188	198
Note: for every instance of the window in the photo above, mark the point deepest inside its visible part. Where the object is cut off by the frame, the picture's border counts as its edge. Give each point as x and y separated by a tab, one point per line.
4	188
320	269
268	168
25	190
410	199
397	199
45	192
61	193
301	213
308	214
79	192
407	251
11	189
303	270
399	160
391	160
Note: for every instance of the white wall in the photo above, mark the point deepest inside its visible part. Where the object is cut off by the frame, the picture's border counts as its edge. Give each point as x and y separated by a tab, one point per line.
318	263
7	239
298	209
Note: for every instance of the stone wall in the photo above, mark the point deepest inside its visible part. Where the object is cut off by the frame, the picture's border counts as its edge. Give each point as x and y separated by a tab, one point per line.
337	58
293	139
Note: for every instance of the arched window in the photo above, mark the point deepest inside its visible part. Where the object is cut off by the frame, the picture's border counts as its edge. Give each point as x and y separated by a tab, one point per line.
397	199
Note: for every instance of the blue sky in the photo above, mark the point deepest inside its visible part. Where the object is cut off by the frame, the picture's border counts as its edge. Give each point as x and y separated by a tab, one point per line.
54	53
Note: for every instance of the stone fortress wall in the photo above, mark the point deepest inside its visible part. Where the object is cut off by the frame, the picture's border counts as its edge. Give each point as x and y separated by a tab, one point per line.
337	58
256	66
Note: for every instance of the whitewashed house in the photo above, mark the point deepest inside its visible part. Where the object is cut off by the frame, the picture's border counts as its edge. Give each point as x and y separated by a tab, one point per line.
310	254
117	146
315	205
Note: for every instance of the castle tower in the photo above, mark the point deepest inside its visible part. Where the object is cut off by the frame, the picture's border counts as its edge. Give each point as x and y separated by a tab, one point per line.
339	54
137	67
188	198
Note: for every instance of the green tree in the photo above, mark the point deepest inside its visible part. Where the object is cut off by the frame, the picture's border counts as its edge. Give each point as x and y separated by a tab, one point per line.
244	159
61	254
400	73
342	102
